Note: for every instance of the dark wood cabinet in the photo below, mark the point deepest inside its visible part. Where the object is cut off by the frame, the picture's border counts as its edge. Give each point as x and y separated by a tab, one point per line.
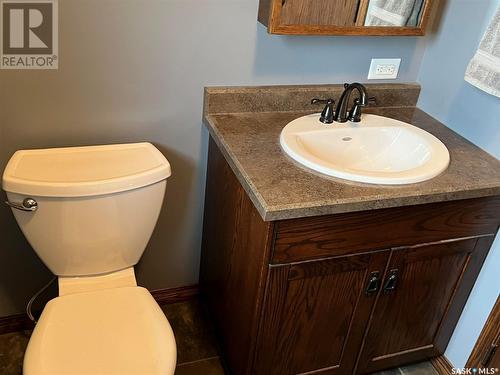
337	294
315	314
409	320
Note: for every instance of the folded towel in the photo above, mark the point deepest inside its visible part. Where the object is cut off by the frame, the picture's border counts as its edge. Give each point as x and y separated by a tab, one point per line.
394	13
484	68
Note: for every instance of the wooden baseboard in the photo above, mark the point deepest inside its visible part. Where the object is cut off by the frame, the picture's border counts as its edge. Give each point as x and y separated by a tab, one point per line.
173	295
15	323
442	365
21	322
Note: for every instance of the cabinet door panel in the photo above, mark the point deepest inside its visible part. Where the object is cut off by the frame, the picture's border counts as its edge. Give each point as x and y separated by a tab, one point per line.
315	315
319	12
407	323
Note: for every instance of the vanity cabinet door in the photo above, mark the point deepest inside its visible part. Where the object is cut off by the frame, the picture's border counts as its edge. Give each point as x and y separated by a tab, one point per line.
420	300
315	314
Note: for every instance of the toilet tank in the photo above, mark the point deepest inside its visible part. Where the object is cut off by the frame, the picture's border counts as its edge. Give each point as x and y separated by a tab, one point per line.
96	206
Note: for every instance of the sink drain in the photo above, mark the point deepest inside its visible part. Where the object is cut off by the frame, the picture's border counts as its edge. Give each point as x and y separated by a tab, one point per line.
346	139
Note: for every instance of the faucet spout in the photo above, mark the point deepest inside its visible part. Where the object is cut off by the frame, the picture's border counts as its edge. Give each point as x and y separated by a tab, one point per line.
342	114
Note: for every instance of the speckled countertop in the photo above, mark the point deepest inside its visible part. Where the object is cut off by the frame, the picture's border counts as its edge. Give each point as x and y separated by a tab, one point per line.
282	189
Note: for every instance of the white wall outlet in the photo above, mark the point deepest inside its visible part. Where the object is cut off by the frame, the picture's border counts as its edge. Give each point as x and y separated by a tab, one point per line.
384	69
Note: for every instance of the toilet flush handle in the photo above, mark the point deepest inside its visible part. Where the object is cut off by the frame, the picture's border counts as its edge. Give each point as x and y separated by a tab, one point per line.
28	204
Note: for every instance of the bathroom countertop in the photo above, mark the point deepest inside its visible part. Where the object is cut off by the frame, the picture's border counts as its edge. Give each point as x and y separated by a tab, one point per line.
280	188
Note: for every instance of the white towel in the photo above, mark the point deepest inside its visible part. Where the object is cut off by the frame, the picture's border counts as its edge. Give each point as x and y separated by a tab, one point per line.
394	13
484	68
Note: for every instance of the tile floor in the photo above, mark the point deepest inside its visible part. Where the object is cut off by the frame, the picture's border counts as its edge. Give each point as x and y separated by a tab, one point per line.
196	348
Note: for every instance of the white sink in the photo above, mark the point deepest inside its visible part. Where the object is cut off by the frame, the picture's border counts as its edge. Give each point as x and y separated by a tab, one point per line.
377	150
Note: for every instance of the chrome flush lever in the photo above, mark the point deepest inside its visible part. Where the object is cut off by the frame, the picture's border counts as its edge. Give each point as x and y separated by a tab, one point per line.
28	204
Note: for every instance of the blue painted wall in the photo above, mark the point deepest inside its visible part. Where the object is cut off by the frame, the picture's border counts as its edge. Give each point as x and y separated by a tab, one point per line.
135	70
476	116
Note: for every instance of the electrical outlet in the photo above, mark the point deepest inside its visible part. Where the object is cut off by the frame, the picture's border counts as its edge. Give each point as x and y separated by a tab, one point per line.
384	69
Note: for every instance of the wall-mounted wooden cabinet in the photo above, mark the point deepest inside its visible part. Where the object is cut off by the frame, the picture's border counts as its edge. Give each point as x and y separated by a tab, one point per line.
350	293
345	17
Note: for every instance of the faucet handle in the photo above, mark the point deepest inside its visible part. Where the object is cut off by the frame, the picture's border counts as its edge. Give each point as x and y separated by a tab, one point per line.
357	102
328	112
322	101
354	114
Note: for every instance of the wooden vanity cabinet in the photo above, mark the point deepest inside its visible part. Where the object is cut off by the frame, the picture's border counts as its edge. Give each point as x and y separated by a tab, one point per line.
315	314
414	320
337	294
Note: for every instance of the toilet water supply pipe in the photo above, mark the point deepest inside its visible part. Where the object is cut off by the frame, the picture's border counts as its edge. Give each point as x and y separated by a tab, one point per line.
30	302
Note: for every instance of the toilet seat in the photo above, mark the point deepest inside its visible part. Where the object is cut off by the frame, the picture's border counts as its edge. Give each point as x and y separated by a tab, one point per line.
119	331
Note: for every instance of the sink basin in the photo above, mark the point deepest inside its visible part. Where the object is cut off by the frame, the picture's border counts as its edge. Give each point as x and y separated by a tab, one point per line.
377	150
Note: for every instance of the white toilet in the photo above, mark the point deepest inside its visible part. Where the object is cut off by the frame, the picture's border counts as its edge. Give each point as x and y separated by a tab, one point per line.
89	212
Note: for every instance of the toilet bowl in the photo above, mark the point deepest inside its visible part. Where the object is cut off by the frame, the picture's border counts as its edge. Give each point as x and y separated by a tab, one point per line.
88	212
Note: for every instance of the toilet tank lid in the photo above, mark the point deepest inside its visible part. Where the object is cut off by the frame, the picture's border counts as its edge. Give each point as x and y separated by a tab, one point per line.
85	171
